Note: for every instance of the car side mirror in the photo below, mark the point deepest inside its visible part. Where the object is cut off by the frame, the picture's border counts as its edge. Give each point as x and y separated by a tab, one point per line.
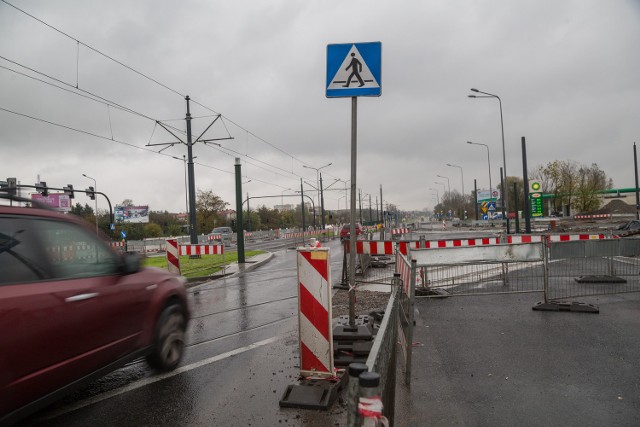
131	262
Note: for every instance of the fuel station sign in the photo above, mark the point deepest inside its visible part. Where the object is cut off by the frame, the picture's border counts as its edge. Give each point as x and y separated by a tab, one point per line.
535	199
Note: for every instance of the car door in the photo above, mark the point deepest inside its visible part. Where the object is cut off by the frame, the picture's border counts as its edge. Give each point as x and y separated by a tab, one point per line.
63	321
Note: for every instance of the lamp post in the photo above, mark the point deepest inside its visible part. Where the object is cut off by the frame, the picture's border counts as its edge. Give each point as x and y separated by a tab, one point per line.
448	186
504	157
463	193
437	194
489	163
318	182
95	198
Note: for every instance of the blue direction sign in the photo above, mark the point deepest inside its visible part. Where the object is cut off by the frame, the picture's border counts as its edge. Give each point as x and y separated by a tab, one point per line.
123	234
354	69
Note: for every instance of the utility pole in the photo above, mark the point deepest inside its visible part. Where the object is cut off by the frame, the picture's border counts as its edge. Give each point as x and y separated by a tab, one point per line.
248	214
302	204
381	207
193	231
359	204
321	203
239	231
370	216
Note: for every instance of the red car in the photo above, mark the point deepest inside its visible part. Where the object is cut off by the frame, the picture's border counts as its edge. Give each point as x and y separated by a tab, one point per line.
72	309
345	231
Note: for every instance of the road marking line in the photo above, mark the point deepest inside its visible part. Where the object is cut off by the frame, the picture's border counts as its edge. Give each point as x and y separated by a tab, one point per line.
147	381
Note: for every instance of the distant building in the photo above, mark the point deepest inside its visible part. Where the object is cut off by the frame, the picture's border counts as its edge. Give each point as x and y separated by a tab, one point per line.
284	208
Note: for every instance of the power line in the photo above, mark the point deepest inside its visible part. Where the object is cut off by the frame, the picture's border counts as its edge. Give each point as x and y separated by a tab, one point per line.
49	122
79	42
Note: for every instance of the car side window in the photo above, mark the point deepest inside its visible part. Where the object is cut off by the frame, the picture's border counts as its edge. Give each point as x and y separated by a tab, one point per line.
21	259
74	252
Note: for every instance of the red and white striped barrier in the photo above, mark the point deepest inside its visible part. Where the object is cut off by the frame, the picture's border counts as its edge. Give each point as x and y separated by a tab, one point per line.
387	247
215	237
573	237
173	257
431	244
301	234
201	249
117	244
592	216
383	247
400	231
314	317
524	239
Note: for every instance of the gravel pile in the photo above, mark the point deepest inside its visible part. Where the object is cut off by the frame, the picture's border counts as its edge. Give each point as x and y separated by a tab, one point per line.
366	301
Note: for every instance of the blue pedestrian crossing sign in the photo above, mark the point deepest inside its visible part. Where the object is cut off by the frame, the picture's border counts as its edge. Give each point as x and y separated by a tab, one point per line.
492	207
354	69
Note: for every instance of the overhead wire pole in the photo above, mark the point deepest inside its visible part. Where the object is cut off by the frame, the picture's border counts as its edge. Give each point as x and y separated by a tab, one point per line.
193	233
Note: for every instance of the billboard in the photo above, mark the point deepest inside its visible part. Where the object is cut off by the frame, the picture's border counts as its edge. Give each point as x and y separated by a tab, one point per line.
58	201
485	196
132	214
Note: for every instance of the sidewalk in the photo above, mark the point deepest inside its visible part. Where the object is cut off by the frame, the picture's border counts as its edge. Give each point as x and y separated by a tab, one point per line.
493	361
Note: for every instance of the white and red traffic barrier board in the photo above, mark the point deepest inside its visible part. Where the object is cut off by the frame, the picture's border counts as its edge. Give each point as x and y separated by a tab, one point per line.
173	257
400	231
592	216
314	312
572	237
524	238
201	249
381	247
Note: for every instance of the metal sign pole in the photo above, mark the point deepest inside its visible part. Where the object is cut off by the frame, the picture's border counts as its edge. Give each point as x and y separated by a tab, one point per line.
352	214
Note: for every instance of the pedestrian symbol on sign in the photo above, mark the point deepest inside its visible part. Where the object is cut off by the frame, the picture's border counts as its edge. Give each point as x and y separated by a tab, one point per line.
356	67
352	68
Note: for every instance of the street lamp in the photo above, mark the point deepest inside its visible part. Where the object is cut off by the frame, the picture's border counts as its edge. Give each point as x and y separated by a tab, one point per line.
504	157
448	186
437	193
95	198
318	177
463	194
489	163
282	204
461	174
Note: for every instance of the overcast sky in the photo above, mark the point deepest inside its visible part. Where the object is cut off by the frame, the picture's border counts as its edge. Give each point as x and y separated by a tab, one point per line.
567	72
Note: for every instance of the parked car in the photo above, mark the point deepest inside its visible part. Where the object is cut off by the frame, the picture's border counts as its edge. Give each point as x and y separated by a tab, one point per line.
629	226
72	309
345	231
225	233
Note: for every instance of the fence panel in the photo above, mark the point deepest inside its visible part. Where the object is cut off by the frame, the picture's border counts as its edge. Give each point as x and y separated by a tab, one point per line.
382	358
593	267
407	276
480	270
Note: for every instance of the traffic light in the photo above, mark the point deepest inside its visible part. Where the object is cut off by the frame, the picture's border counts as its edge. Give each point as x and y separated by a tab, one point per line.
41	187
68	190
10	186
91	193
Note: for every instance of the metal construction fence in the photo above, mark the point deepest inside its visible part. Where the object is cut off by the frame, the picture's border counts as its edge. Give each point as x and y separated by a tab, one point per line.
593	267
382	357
560	266
559	269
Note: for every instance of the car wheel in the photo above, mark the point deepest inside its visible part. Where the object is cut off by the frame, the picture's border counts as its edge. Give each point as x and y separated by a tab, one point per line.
168	345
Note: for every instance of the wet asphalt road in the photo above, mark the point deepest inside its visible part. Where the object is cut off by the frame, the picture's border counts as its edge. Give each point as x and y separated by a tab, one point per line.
242	352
